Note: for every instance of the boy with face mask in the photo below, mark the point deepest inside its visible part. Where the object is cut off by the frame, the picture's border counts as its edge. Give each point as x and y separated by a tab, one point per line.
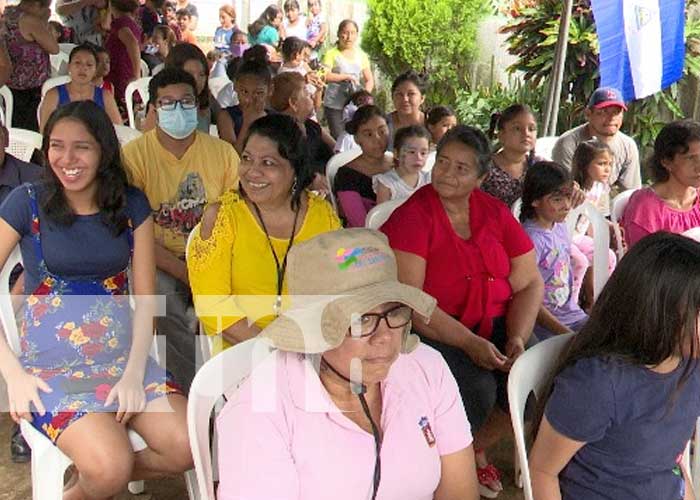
180	170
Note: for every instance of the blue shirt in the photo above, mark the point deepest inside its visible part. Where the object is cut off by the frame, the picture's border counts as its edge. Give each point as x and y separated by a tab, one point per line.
15	172
86	249
633	427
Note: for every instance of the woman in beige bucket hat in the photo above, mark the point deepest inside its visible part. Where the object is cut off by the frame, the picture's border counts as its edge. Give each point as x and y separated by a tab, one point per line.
350	405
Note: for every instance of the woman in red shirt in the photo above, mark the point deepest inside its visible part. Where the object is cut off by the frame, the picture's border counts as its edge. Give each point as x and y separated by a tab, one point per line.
463	247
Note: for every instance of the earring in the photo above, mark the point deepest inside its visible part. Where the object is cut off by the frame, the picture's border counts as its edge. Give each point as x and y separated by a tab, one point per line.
294	185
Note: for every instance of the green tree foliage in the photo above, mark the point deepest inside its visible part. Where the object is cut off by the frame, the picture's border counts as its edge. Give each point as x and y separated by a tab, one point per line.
532	37
437	37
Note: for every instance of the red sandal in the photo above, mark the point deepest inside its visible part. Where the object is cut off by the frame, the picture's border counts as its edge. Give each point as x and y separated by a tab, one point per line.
487	476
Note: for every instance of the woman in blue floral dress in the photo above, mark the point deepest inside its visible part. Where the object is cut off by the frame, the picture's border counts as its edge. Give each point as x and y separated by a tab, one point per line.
84	372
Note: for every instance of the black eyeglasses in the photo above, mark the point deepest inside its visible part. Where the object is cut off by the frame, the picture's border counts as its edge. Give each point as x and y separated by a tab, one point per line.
188	102
396	317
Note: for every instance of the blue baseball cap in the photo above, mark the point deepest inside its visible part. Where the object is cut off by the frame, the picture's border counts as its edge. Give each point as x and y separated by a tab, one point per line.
604	97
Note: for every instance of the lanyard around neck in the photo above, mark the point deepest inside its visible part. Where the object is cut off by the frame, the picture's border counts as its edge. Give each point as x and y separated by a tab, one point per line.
281	268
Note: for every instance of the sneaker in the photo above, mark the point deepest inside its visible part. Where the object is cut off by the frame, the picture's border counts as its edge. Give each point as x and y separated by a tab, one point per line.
19	449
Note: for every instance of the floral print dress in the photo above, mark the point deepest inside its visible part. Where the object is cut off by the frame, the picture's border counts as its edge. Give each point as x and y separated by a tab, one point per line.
76	336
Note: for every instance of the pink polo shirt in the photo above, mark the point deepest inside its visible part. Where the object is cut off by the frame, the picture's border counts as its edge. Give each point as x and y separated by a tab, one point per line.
317	454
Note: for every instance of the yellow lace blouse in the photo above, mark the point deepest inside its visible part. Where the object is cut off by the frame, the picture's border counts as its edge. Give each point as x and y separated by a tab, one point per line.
233	273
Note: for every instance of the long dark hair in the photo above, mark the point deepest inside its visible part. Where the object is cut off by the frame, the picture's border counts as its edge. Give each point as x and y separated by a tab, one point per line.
284	131
265	19
586	152
499	119
674	138
647	312
541	179
183	52
111	176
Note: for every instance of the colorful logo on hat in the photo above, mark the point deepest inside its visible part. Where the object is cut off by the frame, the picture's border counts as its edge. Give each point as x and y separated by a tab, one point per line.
424	425
359	257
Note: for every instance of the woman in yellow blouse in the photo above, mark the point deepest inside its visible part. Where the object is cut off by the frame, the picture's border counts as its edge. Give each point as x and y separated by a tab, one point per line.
237	257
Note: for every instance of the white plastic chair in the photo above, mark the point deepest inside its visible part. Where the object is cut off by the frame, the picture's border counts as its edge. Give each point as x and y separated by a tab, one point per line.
59	64
145	70
219	376
49	463
545	145
334	164
126	134
23	142
601	242
618	205
381	213
529	374
8	104
140	86
157	69
53	82
66	48
221	87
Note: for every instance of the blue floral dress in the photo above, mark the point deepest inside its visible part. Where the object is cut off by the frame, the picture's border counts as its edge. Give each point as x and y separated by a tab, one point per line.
76	336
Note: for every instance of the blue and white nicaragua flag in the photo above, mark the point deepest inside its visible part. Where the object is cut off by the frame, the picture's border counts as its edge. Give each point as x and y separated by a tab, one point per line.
642	47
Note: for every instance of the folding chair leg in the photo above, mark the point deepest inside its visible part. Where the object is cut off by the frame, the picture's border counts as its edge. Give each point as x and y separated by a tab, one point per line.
518	474
191	482
47	475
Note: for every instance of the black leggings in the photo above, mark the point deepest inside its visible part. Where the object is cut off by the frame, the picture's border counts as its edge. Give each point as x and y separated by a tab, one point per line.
481	389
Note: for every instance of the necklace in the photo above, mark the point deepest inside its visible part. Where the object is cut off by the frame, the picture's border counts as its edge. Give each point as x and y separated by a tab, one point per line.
277	306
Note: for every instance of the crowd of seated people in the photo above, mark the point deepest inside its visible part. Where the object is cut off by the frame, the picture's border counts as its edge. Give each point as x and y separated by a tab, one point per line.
237	230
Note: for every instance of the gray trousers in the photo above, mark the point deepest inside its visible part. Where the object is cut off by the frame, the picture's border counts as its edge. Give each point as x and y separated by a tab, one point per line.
179	327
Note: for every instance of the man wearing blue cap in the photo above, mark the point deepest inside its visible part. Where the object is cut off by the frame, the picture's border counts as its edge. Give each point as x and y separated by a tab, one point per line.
604	115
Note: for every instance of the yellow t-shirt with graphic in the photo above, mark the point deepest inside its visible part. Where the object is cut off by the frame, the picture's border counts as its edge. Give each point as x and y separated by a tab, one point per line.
178	189
233	273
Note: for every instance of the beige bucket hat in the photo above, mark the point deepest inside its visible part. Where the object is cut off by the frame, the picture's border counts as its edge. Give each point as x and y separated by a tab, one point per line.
334	277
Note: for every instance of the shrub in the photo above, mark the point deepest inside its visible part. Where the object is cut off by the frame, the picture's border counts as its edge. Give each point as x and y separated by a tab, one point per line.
437	37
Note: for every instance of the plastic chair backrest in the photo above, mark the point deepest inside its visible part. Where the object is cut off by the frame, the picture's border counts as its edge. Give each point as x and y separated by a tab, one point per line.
430	162
619	203
145	70
545	145
140	86
59	64
126	134
381	213
8	104
218	376
334	164
22	143
693	233
529	374
53	82
601	242
156	69
7	313
221	87
66	48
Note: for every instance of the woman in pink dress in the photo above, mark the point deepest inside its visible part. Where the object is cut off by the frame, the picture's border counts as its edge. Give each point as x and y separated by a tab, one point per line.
671	203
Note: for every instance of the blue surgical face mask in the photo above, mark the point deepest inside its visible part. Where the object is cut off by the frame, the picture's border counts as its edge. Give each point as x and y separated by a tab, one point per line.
178	123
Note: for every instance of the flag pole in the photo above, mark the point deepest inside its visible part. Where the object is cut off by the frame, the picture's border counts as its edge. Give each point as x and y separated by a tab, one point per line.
551	113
